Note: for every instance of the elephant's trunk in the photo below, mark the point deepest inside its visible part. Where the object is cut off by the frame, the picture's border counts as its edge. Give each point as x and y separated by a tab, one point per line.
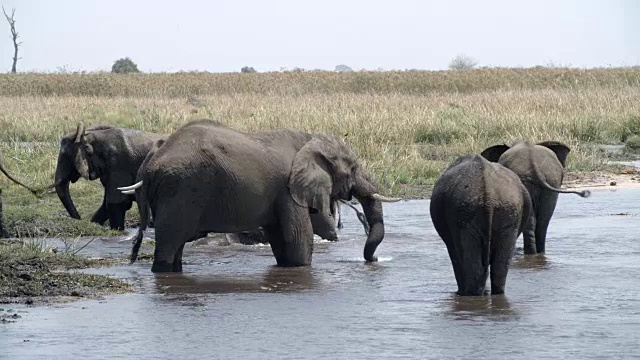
64	174
364	191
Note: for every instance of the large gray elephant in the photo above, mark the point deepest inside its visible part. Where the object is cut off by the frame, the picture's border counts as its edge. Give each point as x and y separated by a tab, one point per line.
323	226
110	154
479	209
208	177
541	169
3	229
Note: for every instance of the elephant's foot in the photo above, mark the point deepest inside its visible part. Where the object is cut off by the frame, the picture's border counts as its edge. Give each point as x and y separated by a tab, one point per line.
474	292
162	266
530	251
177	267
497	290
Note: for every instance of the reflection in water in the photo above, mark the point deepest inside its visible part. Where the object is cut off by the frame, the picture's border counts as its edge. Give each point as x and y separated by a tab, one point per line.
232	302
275	279
532	262
494	307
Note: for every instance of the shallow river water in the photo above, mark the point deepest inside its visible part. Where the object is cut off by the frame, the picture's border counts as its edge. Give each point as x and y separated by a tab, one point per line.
581	300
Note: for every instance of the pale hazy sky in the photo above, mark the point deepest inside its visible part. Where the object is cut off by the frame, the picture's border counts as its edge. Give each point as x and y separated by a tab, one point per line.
223	36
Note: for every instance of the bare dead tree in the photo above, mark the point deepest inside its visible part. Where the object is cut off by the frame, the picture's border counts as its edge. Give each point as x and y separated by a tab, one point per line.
14	37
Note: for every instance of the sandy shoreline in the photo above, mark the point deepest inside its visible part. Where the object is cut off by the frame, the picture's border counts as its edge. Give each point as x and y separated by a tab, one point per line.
623	179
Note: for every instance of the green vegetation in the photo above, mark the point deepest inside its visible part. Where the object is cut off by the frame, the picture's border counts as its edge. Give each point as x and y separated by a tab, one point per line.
124	66
28	270
405	126
633	142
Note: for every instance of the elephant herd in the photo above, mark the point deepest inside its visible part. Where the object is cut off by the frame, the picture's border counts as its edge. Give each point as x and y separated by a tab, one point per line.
287	185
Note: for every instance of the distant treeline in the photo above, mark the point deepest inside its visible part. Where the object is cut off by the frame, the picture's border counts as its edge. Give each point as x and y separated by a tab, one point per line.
185	84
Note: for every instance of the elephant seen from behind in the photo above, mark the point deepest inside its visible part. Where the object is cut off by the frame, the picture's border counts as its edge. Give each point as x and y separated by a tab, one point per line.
479	209
110	154
540	167
207	177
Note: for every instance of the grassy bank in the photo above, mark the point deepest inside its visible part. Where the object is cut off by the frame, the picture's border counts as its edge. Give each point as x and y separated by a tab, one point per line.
30	273
405	126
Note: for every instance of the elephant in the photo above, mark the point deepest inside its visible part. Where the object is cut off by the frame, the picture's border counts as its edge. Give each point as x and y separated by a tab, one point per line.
323	226
479	209
3	230
110	154
208	177
541	169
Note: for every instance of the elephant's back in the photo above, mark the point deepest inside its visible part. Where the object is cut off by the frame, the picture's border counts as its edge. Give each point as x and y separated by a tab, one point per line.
201	156
520	159
473	182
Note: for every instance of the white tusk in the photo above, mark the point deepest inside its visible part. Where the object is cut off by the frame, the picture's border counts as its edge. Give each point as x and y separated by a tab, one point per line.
128	192
131	187
382	198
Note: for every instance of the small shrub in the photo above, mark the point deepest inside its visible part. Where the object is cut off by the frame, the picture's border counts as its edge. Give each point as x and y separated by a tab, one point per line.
633	142
587	129
123	66
630	127
248	70
462	62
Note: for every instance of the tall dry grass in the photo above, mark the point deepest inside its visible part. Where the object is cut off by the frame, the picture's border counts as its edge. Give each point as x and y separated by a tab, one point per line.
405	126
404	139
184	84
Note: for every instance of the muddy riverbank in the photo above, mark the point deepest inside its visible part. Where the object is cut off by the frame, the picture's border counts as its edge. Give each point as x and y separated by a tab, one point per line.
31	273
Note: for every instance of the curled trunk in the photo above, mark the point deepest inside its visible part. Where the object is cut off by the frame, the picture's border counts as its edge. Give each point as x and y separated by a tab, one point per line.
364	191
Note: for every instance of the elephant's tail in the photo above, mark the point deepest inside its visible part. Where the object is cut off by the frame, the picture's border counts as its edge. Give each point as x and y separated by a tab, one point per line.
33	191
542	182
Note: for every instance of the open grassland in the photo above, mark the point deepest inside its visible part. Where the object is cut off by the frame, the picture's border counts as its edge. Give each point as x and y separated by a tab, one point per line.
405	126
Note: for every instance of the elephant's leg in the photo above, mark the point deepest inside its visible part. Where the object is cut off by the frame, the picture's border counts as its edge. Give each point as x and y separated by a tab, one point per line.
455	263
297	235
169	243
339	214
172	232
177	260
102	214
276	240
544	212
474	270
117	212
503	243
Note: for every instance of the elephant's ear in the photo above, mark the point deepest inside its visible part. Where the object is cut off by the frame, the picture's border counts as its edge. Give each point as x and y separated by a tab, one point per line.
309	181
559	148
493	153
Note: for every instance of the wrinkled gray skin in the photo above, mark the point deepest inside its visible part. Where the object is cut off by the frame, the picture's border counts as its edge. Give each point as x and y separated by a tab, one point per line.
210	178
541	169
112	155
479	209
323	226
3	230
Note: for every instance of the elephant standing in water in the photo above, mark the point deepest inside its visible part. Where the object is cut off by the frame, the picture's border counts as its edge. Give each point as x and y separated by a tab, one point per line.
208	177
323	226
3	230
541	169
479	209
110	154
